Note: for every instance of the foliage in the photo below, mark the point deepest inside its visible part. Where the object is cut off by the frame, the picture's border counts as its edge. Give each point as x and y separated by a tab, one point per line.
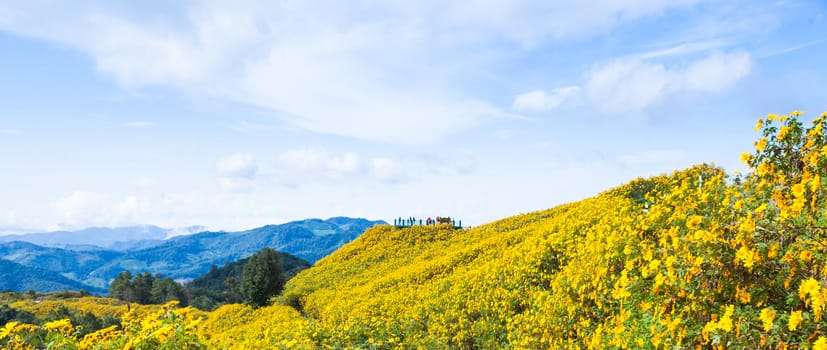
8	314
262	277
167	328
221	285
144	288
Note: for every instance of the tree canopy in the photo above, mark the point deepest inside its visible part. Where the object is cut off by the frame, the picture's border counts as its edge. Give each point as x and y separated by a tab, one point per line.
262	277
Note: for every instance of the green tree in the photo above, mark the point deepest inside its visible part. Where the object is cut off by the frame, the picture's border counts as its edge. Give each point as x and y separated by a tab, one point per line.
203	302
232	292
166	289
122	288
8	314
143	287
262	277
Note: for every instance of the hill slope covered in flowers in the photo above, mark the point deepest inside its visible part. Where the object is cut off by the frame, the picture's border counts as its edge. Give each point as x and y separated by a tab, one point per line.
697	257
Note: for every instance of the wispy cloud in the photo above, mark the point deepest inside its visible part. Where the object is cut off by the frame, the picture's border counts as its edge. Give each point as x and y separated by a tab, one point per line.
80	207
326	67
685	49
631	84
789	49
238	165
539	100
308	166
8	131
139	124
237	172
249	127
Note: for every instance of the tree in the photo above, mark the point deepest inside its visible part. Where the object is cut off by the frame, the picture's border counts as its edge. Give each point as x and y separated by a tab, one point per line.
143	287
122	288
262	277
166	289
232	293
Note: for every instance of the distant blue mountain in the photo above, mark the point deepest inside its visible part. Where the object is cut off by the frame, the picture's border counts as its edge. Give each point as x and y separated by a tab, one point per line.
18	277
181	257
121	238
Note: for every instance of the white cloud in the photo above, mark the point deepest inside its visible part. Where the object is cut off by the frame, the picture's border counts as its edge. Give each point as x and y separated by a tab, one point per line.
81	207
249	127
628	84
387	170
363	70
717	72
539	100
239	165
8	131
317	166
237	172
632	84
685	49
139	124
318	160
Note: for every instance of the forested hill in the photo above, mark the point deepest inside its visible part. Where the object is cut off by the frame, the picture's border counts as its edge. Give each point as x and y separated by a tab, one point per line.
14	276
186	257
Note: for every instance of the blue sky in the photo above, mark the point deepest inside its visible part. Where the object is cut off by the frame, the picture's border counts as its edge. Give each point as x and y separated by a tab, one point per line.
238	114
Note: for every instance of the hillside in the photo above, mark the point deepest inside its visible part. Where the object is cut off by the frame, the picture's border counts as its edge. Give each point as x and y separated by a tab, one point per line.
697	258
14	276
189	256
692	258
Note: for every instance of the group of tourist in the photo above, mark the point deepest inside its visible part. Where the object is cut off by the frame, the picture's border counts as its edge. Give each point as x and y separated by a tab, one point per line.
411	221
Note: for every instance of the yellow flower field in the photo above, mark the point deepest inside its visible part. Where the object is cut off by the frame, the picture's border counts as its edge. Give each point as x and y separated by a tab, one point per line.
694	259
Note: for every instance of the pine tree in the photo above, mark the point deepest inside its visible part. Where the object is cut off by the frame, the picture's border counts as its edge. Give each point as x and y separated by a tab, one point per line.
166	289
143	287
122	288
262	277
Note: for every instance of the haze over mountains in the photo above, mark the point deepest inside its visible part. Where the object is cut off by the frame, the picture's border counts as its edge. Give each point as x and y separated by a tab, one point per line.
119	238
90	258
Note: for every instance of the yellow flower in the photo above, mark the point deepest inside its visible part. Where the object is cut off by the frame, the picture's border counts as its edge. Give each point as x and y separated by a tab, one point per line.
797	113
761	144
725	323
63	326
772	116
745	157
809	287
767	317
795	320
747	256
805	256
759	124
783	131
5	331
773	252
820	344
742	295
798	190
693	221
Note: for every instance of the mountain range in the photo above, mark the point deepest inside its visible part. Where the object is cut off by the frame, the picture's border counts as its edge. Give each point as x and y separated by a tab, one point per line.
119	238
184	257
